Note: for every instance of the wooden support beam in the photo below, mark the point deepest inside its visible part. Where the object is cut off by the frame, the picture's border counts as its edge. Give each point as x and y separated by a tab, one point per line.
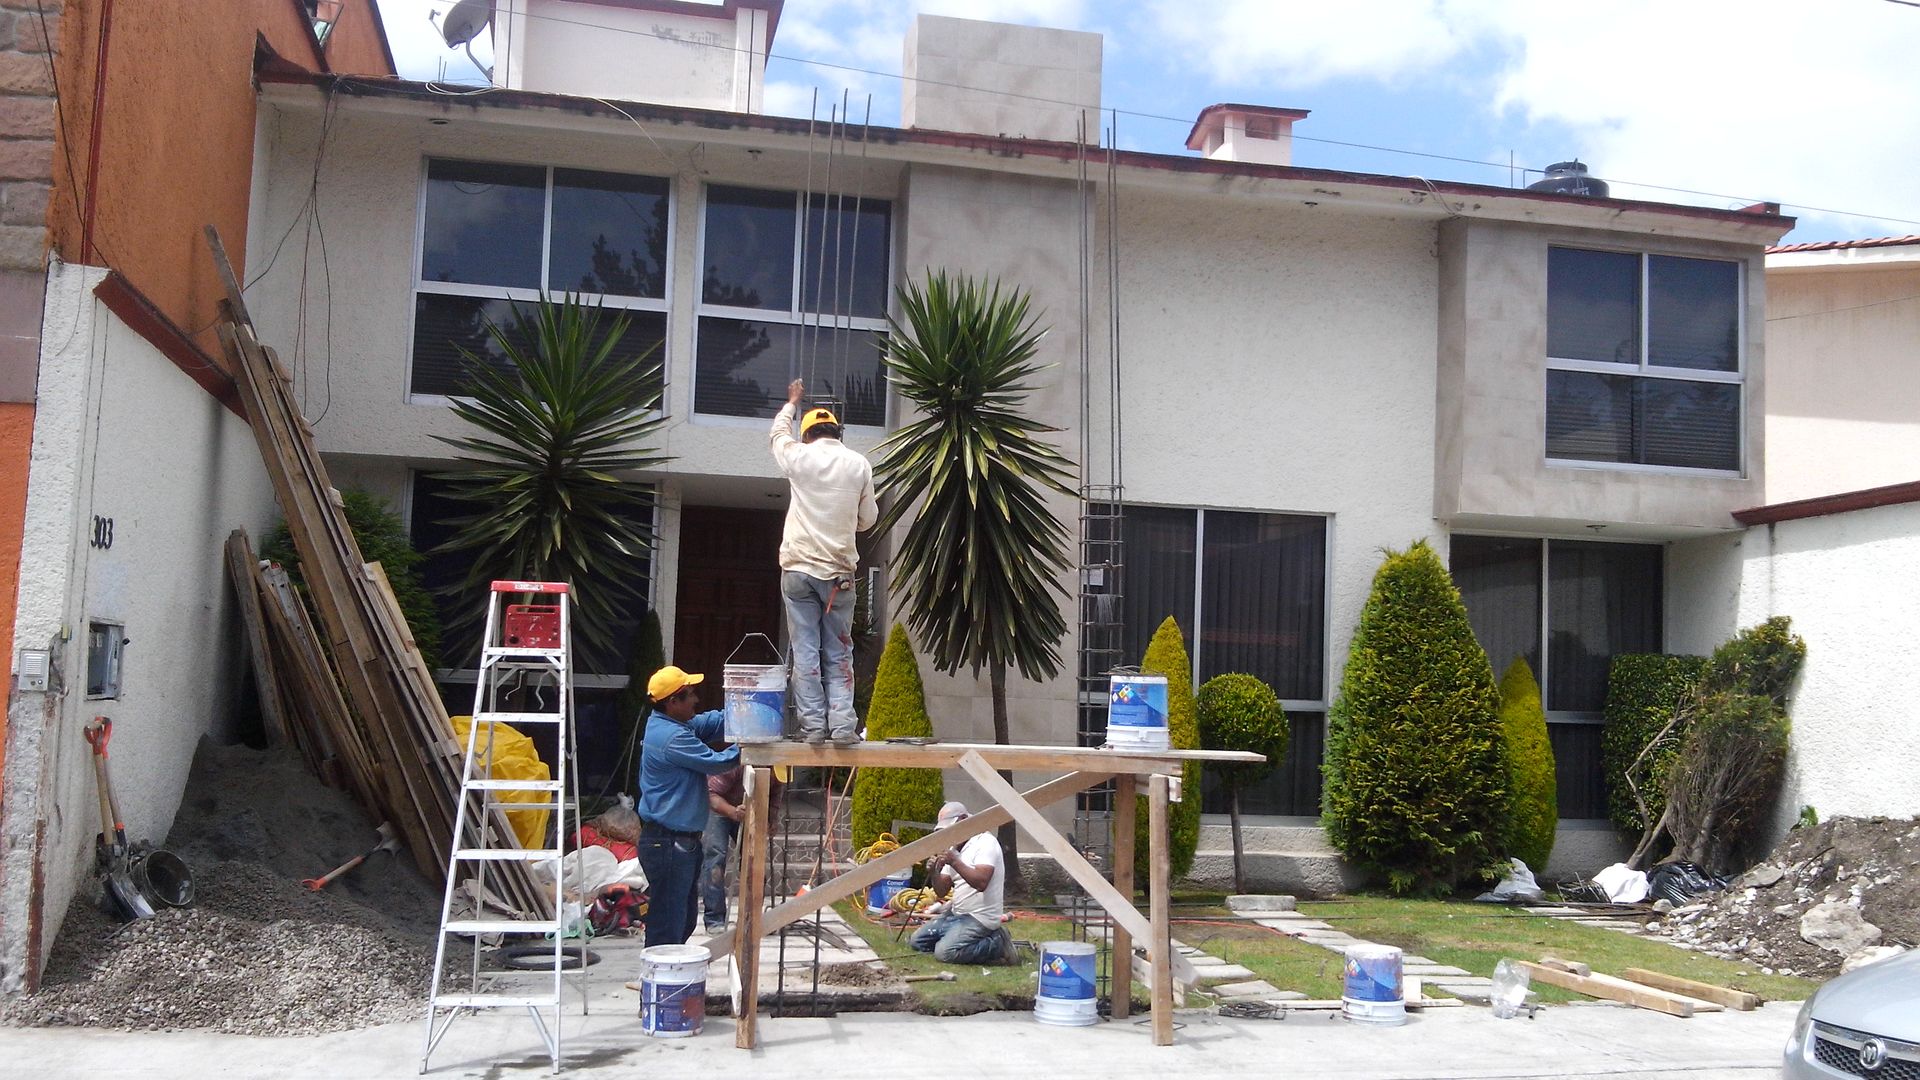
1047	759
1638	996
758	785
1120	960
1162	930
1738	1000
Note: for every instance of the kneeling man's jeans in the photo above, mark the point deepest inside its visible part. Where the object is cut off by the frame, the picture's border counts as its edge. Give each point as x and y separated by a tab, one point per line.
963	939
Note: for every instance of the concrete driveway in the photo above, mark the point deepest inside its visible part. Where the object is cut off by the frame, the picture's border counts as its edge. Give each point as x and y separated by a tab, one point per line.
1564	1043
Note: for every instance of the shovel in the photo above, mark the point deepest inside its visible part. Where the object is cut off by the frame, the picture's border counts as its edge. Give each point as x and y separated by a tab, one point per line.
110	849
388	842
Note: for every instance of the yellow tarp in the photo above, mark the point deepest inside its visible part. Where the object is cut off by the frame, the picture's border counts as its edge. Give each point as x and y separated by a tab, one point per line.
514	758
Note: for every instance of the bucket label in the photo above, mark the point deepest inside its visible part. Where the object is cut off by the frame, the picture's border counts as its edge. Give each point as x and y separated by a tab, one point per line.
1138	703
755	715
672	1008
1068	976
1374	977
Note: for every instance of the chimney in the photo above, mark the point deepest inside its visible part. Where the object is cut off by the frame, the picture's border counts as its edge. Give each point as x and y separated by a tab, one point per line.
668	52
1256	134
990	78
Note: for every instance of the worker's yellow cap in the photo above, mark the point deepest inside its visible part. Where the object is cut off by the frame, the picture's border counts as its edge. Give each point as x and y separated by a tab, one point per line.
669	681
817	416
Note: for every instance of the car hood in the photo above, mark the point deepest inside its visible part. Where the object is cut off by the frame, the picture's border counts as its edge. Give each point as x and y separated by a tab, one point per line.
1880	999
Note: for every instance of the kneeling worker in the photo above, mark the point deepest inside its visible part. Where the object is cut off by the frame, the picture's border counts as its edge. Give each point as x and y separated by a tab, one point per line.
675	762
969	879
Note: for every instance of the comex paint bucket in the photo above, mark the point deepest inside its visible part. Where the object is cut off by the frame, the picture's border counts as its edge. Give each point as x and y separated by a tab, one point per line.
1137	713
1066	997
673	990
883	890
1373	994
756	702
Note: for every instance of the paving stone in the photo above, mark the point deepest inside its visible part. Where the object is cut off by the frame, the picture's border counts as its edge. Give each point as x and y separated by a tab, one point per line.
1286	995
1294	925
1408	958
1553	911
1221	973
1432	969
1260	903
1289	916
1258	988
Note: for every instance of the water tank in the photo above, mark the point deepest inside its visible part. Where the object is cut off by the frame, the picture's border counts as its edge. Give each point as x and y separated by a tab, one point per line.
1570	178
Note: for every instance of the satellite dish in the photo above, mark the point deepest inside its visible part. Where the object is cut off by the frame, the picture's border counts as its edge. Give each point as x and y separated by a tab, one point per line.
465	20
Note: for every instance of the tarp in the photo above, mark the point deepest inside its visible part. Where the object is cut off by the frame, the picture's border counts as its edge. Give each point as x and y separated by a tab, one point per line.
514	758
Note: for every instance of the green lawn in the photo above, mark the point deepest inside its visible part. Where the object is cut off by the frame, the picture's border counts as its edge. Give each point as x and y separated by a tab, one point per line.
1283	961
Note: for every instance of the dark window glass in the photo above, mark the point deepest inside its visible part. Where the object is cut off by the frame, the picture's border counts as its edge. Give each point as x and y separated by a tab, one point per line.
1159	554
742	368
1264	600
1580	781
445	325
609	234
1646	421
1292	788
844	269
483	224
1602	600
1499	579
1593	305
1693	313
749	249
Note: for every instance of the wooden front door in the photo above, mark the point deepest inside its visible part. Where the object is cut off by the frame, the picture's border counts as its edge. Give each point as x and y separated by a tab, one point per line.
729	588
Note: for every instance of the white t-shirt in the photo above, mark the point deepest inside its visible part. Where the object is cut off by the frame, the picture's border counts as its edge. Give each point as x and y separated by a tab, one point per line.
982	850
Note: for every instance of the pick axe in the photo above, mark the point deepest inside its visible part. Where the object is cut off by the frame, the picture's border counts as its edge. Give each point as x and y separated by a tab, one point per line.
389	841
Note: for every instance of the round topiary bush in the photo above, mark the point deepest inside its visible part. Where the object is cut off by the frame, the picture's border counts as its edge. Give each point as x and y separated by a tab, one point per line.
1532	793
899	709
1416	786
1239	712
1167	655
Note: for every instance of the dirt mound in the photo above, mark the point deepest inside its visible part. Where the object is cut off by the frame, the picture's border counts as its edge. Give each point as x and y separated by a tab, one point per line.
258	953
1764	917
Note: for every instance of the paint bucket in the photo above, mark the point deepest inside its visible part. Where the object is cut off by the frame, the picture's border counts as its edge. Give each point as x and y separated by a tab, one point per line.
1372	993
1067	972
1137	713
883	890
756	702
163	878
673	990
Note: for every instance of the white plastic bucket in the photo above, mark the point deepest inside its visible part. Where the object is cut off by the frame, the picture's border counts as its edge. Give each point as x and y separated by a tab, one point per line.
1373	993
883	890
756	696
1067	974
1137	713
673	990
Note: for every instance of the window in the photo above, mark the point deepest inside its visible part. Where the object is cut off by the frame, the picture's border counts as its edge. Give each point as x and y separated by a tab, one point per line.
1644	359
785	296
1249	591
496	237
106	647
1589	602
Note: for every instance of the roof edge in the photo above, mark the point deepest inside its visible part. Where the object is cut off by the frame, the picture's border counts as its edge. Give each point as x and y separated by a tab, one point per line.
1824	505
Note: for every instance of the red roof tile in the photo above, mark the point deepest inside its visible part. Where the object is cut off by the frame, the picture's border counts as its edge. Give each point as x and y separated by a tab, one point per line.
1838	245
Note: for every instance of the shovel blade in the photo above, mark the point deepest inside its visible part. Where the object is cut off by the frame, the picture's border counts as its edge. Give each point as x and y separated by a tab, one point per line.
125	899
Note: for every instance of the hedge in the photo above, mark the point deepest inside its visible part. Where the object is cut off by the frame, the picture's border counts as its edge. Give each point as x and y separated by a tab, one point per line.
1167	655
1642	690
1533	809
899	709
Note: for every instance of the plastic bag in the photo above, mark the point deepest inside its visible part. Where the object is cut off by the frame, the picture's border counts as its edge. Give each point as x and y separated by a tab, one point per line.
619	822
1511	985
1681	883
1624	884
1518	887
514	758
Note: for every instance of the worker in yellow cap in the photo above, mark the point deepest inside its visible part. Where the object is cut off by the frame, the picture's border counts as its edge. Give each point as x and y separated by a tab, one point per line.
832	499
675	761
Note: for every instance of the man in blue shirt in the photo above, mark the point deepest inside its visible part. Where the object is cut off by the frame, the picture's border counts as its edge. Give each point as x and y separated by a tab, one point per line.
675	762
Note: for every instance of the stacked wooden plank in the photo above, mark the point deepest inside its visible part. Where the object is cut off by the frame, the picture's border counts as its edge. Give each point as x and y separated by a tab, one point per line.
392	739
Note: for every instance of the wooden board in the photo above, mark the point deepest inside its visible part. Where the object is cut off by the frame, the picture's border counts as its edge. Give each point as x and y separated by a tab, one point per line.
1055	759
1161	936
1724	996
753	877
1120	985
1616	990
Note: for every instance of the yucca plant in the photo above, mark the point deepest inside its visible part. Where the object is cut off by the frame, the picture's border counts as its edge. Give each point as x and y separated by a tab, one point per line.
978	568
564	424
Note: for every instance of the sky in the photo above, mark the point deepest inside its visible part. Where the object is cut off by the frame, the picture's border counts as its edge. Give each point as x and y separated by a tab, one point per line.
1814	104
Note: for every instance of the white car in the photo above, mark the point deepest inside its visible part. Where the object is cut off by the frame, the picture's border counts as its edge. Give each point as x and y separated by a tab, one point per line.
1865	1023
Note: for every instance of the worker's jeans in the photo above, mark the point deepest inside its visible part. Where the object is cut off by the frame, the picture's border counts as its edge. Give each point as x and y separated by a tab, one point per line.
672	865
714	846
957	938
820	625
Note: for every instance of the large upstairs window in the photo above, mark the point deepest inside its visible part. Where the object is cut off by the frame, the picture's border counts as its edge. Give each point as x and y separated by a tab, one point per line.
494	237
786	295
1644	360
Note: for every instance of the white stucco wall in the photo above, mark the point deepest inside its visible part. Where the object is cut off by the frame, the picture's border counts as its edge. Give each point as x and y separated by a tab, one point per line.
120	432
1843	399
995	78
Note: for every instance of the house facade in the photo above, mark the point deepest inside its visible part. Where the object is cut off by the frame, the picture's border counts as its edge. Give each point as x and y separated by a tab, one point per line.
1312	366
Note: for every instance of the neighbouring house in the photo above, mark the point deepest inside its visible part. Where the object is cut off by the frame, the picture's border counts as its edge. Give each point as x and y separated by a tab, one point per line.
1557	389
124	461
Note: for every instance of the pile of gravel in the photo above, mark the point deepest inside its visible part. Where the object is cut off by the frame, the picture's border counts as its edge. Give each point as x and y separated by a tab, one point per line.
1832	895
259	953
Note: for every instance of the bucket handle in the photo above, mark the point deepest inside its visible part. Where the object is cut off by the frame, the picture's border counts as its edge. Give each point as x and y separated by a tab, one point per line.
771	647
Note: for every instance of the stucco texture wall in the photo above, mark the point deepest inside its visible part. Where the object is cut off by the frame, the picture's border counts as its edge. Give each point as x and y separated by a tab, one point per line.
1843	398
121	434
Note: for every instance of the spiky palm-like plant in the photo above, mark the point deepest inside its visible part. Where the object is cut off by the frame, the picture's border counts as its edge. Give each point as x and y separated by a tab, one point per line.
979	564
565	425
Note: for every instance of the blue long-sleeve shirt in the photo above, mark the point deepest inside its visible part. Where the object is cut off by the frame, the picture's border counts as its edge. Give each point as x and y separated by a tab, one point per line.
675	761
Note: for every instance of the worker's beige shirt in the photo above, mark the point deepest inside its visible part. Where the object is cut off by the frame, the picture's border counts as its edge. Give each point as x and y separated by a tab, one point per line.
832	500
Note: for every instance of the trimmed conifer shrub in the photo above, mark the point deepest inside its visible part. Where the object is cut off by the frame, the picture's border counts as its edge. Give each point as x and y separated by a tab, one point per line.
899	709
1239	712
1416	787
1533	809
1643	690
1167	655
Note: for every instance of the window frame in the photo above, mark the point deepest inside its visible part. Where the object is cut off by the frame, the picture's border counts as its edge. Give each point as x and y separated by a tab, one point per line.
793	314
662	304
1645	370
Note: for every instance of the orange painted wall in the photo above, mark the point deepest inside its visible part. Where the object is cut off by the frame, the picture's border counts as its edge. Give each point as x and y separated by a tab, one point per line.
16	443
176	133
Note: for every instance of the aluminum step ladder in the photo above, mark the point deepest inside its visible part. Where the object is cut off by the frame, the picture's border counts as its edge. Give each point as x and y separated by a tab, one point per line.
526	649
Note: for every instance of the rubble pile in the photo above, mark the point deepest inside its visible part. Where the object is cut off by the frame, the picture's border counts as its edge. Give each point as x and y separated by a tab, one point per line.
1838	893
258	953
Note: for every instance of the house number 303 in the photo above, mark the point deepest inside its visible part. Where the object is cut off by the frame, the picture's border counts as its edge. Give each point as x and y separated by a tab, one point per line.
102	532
